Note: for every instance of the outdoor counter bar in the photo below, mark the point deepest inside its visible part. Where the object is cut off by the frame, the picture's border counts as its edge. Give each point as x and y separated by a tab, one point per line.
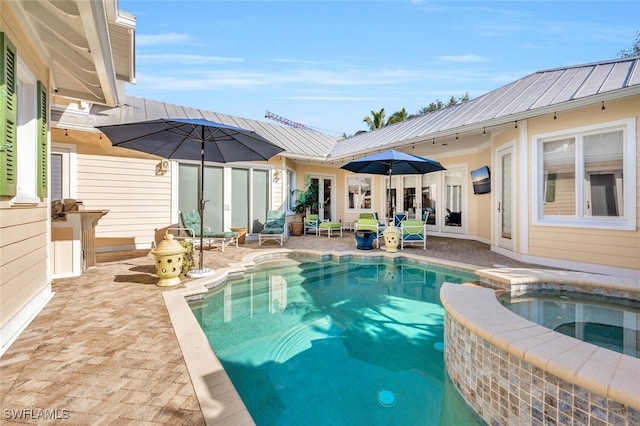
513	371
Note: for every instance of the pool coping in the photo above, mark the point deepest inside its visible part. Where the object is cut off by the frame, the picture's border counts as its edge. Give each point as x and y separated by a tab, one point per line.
219	401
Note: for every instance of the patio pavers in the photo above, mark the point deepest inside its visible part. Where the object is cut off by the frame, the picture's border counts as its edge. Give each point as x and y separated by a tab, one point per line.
103	350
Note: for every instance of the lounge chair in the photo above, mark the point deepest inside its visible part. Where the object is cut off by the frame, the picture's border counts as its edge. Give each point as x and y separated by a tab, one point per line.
274	228
190	231
370	225
311	222
413	231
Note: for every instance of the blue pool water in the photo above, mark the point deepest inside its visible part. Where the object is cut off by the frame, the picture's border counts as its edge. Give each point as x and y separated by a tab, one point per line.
336	343
604	321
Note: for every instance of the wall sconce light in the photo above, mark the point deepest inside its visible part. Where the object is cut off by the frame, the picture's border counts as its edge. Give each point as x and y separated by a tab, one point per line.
162	167
276	176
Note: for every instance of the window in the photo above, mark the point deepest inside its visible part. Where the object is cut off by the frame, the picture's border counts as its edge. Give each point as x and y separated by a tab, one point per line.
359	193
23	108
583	174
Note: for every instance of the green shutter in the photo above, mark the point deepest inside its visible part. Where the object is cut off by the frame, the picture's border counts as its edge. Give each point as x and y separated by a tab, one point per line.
8	109
43	130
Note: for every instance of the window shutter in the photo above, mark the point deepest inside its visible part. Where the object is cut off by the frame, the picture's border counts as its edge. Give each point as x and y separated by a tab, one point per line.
43	130
8	109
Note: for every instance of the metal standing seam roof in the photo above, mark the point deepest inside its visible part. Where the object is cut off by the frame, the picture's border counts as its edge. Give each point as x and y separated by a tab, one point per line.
294	141
521	99
558	88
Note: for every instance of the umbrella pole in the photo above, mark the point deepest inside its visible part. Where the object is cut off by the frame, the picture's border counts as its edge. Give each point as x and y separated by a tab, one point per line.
201	201
389	198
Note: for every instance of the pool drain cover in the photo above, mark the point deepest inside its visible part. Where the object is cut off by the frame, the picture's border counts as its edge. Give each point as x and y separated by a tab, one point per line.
386	398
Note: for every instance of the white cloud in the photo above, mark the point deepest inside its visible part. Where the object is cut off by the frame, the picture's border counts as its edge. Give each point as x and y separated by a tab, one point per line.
464	58
332	98
162	39
185	59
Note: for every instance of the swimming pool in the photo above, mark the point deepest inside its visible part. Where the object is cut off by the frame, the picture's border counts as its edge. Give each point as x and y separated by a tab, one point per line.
604	321
336	342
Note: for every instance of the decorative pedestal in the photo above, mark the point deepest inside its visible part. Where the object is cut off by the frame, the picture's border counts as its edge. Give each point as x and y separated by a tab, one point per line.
169	257
364	239
391	239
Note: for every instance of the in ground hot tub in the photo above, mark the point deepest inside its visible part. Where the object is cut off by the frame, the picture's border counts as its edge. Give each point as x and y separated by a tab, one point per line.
604	321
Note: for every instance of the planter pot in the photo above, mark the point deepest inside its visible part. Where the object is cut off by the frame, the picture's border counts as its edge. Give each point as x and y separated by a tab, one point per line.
169	257
364	239
295	228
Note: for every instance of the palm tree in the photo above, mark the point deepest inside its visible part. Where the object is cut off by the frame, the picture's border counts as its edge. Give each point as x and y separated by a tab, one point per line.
375	120
398	116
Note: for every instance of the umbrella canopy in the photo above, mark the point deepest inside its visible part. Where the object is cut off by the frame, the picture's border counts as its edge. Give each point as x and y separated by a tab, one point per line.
192	139
393	162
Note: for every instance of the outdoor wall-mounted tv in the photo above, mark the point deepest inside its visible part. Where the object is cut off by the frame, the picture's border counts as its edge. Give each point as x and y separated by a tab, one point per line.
481	180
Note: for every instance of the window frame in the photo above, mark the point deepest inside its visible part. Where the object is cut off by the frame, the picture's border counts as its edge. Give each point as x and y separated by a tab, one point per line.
627	218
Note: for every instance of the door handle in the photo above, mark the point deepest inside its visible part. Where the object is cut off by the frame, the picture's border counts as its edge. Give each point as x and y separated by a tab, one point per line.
499	210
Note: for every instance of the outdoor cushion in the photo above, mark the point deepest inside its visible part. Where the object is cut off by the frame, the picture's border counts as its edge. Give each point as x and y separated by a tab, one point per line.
330	225
222	234
412	229
367	224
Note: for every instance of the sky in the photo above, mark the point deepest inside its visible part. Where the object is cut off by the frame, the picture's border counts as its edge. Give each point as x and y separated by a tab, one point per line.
328	64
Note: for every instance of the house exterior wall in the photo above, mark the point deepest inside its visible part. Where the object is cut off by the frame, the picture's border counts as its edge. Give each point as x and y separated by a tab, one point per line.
596	249
25	284
125	183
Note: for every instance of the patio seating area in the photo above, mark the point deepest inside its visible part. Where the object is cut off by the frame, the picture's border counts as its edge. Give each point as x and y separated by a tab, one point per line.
104	349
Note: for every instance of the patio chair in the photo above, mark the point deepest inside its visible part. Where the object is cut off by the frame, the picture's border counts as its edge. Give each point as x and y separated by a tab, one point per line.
413	231
274	228
398	218
190	231
370	225
311	222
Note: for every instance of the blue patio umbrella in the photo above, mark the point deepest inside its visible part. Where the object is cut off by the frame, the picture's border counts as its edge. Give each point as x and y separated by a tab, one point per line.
392	162
192	139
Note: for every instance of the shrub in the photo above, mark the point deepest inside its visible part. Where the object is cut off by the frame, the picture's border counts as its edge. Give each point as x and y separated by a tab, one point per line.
188	262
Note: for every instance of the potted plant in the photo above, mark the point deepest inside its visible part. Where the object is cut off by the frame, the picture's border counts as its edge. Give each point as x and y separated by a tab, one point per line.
305	199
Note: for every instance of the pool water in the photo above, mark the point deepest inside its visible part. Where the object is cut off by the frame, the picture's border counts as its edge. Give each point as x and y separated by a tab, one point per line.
604	321
336	343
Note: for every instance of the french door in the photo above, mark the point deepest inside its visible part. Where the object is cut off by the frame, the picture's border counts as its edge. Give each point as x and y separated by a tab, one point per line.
325	208
505	198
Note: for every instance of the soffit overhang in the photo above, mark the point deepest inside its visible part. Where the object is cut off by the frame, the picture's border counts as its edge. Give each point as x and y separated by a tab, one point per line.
88	45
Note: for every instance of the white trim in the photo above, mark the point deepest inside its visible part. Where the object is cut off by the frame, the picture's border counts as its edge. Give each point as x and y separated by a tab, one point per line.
16	325
523	190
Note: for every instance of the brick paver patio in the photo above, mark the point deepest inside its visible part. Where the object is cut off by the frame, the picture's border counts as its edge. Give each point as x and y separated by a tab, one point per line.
103	351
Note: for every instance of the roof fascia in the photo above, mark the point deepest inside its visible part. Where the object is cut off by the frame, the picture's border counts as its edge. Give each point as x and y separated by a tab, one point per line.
94	20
